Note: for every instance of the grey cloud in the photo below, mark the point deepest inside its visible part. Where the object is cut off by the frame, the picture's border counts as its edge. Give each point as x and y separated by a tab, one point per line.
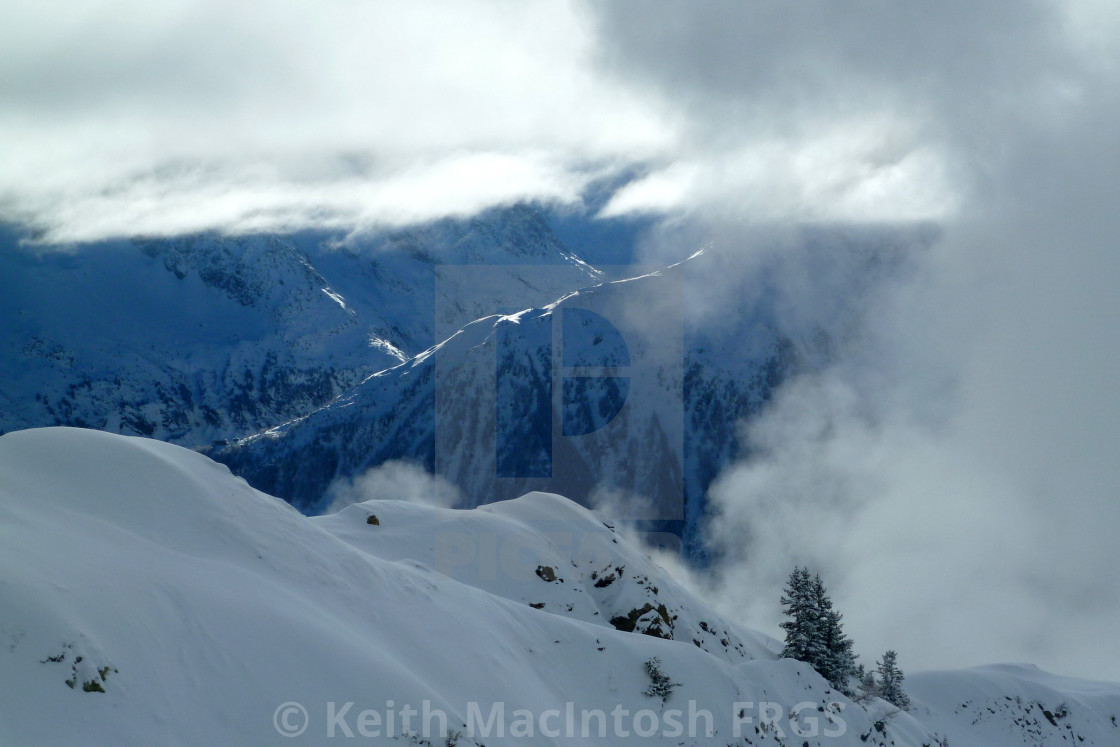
863	104
953	473
820	56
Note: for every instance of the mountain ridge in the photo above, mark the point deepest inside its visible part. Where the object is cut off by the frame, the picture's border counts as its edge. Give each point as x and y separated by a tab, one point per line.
205	338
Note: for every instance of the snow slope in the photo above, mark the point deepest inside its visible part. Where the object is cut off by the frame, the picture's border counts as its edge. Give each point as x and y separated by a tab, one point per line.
205	609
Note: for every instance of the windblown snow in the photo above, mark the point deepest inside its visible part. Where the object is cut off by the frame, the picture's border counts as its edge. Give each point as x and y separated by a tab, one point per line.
147	596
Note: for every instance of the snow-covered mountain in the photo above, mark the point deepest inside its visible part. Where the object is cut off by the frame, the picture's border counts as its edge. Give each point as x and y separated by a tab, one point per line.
148	596
629	391
636	388
205	338
605	389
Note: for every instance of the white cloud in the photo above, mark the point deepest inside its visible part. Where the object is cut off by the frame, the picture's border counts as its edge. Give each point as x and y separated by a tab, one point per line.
395	480
124	117
862	171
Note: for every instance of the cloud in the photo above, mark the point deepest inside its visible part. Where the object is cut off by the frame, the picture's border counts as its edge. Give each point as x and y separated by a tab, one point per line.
124	117
953	472
394	480
861	111
121	117
857	171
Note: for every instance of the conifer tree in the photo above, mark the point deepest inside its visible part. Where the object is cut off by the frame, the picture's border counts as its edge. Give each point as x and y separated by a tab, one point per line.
813	630
867	681
890	681
803	634
839	662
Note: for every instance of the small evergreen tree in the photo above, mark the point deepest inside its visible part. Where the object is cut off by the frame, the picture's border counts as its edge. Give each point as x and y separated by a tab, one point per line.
839	661
890	681
813	631
803	633
660	686
867	681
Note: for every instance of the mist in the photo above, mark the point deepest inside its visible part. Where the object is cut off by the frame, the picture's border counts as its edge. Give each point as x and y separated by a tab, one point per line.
952	472
395	480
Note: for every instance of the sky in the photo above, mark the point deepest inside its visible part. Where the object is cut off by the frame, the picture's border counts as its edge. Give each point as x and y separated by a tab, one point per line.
953	473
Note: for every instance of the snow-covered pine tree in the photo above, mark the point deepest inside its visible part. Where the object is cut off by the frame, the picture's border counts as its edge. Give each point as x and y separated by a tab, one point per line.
867	681
803	633
660	686
813	630
839	661
890	681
